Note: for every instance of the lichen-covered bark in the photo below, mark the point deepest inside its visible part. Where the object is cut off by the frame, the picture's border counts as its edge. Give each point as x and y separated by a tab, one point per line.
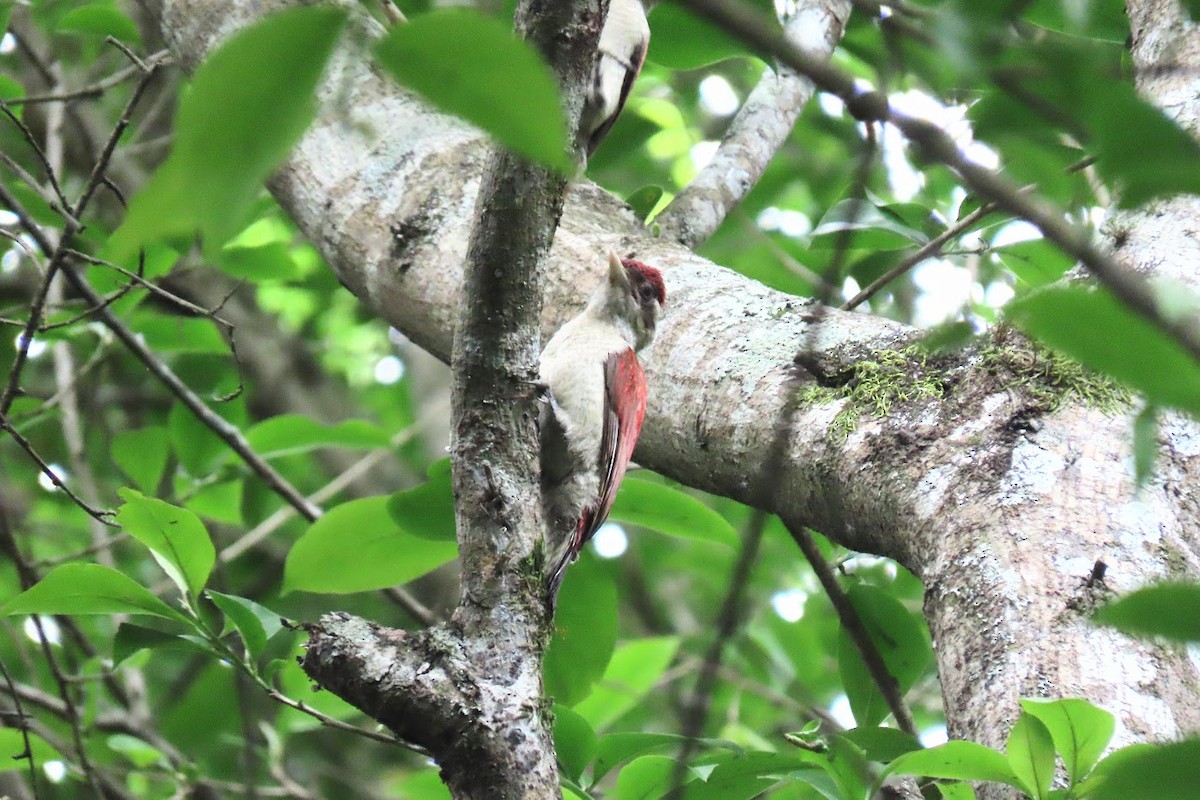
999	501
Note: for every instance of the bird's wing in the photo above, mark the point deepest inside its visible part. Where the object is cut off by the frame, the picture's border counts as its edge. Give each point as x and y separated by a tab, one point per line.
624	410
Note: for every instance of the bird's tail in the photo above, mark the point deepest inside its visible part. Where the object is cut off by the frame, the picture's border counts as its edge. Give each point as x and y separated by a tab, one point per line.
570	554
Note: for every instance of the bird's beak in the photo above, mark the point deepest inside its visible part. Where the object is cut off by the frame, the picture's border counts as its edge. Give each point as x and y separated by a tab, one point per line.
616	271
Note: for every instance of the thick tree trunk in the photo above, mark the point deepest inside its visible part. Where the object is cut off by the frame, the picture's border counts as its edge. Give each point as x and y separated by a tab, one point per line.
1000	504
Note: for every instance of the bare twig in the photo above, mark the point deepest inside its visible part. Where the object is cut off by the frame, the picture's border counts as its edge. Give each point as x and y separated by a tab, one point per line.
72	715
30	759
56	252
927	250
695	713
153	288
61	205
132	56
48	471
854	627
96	89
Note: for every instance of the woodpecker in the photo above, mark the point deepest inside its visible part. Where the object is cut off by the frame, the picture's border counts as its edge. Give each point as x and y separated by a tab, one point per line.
619	58
594	406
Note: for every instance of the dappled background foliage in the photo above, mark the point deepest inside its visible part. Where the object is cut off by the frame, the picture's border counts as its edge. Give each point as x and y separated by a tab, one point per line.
129	697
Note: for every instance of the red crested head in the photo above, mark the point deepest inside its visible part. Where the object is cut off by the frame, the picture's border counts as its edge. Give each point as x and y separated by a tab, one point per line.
644	275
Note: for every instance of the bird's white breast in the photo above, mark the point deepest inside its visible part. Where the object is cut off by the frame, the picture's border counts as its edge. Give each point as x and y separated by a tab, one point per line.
573	366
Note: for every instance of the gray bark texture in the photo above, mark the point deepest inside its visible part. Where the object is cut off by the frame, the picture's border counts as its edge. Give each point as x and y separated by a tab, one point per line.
1000	500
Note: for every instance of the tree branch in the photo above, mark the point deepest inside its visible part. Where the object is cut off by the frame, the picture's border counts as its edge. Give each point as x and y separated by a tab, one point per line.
494	741
761	127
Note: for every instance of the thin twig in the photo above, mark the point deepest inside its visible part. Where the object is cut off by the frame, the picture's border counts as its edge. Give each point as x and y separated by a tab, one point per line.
48	471
695	713
931	247
132	56
927	250
27	754
61	205
337	724
72	716
96	89
854	627
55	252
155	289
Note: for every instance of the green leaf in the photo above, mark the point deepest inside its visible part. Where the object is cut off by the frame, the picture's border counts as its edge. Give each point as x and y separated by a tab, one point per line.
670	511
176	537
99	19
1138	148
646	778
10	87
220	501
171	333
142	455
467	64
618	747
680	40
1193	8
1169	610
574	742
633	670
1131	349
1147	772
357	547
427	510
269	262
1030	751
870	228
960	761
254	623
740	776
1097	20
901	641
196	446
956	791
1080	731
246	107
585	632
12	745
88	589
1145	444
645	200
132	638
288	434
139	753
1035	262
947	338
882	744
